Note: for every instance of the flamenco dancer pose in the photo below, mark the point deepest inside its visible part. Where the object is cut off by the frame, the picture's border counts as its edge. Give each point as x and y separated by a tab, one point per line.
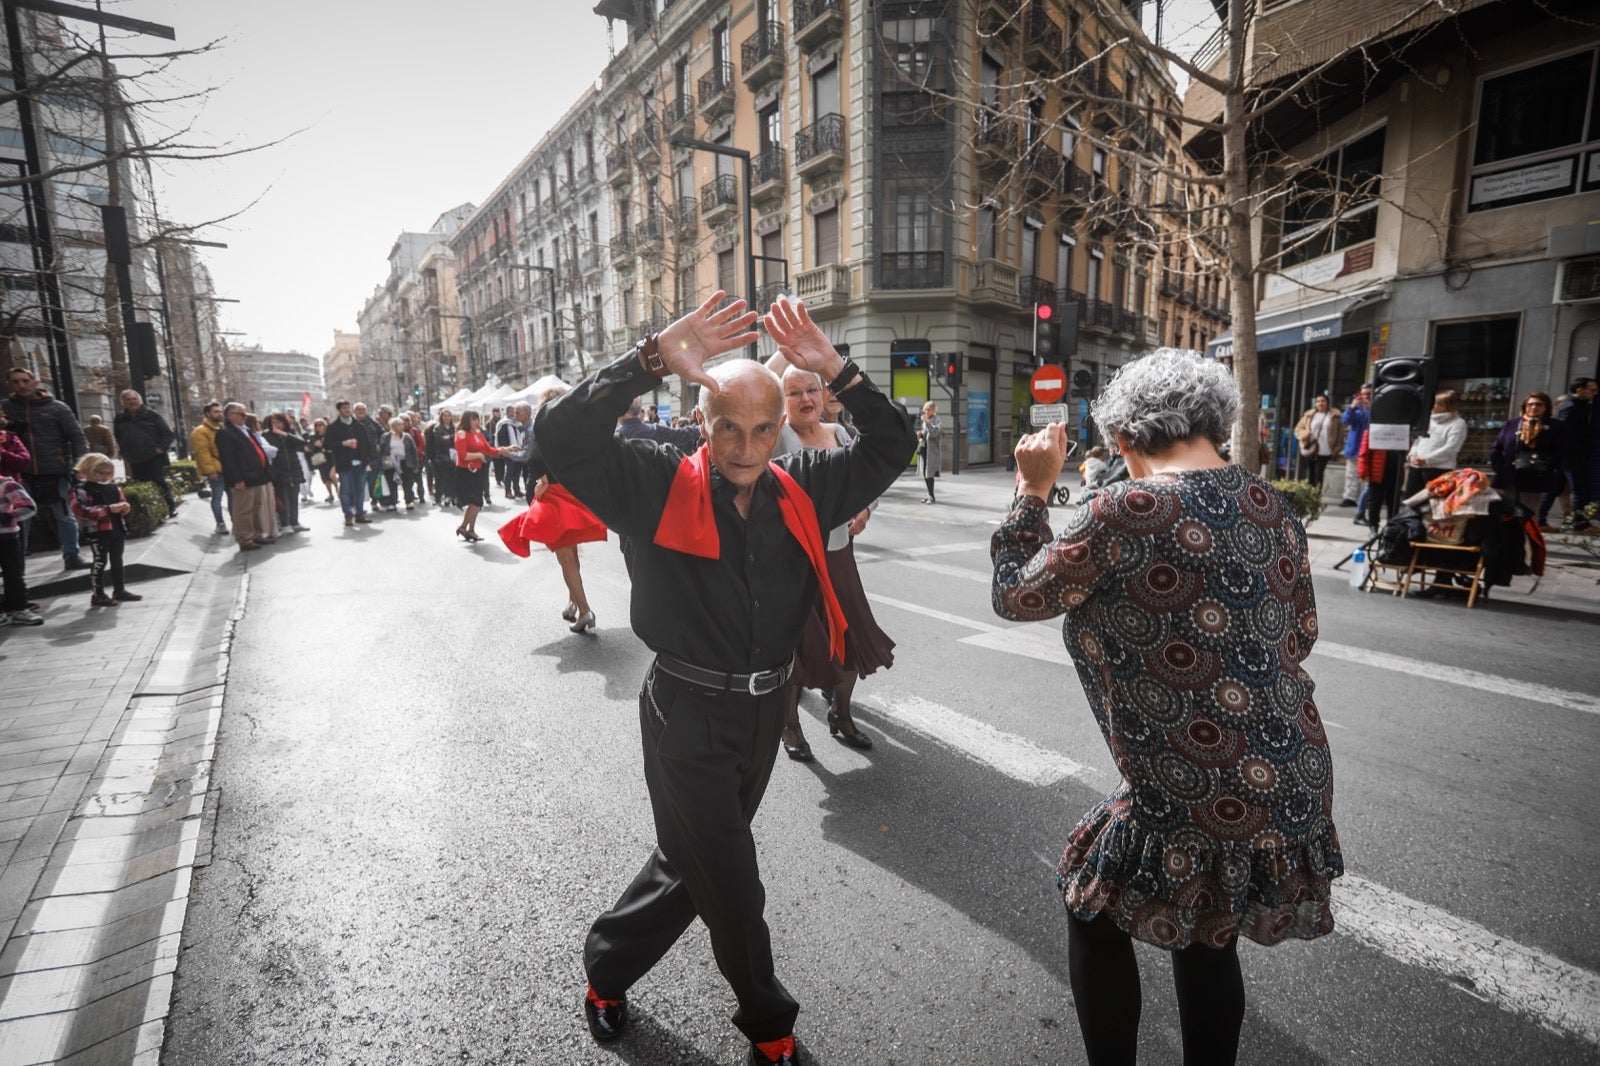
867	648
559	522
727	553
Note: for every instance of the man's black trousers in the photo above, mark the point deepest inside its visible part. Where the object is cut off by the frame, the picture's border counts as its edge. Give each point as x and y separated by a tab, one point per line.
707	759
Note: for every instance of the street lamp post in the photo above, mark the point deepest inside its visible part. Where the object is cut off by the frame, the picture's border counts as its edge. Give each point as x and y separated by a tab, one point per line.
749	247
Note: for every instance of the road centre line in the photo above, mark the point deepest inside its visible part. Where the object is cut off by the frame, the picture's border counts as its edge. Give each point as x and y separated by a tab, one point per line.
1516	978
884	553
929	612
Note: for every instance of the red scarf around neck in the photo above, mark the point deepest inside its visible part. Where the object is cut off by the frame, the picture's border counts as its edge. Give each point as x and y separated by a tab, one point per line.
688	526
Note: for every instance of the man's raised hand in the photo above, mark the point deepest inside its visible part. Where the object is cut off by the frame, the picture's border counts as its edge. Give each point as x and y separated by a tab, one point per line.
801	341
703	334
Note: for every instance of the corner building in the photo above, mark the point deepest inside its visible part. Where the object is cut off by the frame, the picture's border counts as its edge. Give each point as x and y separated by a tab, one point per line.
922	174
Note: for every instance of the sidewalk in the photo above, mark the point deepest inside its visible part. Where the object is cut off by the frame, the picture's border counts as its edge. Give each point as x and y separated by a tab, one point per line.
108	717
982	493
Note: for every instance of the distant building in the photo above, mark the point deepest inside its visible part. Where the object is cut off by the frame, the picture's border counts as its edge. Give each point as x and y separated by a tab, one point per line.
276	381
339	366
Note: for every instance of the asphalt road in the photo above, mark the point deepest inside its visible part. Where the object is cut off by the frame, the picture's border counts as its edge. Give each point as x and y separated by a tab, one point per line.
429	787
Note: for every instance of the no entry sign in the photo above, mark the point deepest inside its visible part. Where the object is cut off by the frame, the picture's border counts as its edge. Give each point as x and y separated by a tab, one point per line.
1048	384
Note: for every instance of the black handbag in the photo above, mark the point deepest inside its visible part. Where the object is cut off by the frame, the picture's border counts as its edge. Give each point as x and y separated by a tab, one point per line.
1531	462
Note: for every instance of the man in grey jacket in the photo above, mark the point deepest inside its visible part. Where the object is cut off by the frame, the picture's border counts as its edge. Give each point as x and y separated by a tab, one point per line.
56	442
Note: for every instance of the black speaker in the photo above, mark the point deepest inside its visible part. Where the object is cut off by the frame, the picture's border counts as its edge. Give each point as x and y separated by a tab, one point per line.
115	222
1403	387
142	351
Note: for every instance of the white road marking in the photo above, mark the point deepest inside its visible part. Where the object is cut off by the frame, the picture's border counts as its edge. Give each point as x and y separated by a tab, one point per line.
965	573
929	612
1016	757
865	551
1036	640
1520	979
1454	675
1516	978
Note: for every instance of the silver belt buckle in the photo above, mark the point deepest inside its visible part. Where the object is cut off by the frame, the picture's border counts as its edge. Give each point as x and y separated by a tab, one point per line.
752	686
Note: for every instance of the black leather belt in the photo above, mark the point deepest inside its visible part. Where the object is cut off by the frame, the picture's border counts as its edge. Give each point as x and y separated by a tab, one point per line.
757	684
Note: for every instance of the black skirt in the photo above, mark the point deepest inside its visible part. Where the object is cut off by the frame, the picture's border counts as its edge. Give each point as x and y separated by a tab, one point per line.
867	649
472	486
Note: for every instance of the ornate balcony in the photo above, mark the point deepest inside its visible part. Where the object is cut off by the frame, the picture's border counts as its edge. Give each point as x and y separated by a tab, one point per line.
621	246
1098	315
647	140
1041	40
716	91
768	174
589	260
1074	188
1080	72
998	140
678	115
685	214
762	55
718	198
820	147
648	234
825	289
995	285
913	270
1043	167
1129	323
1032	291
816	22
617	164
767	295
997	18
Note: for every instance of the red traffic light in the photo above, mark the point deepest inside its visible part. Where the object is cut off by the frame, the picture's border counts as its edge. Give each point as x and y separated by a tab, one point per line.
1043	311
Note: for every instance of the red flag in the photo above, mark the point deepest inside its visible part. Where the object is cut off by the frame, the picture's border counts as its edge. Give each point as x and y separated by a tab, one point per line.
305	405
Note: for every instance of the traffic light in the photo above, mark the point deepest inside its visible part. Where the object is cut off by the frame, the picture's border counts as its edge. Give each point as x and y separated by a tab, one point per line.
1046	334
1082	385
416	392
947	371
1402	392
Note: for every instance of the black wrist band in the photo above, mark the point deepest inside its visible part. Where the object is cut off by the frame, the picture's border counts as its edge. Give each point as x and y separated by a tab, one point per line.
846	376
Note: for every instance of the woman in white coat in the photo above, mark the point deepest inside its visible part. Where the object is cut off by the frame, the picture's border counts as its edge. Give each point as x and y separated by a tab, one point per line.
1436	453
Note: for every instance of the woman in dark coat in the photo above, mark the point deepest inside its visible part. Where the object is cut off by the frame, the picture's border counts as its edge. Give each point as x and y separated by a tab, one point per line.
287	476
441	441
1528	453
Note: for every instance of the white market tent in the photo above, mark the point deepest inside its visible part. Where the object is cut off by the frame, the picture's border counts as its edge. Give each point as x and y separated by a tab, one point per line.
532	392
453	402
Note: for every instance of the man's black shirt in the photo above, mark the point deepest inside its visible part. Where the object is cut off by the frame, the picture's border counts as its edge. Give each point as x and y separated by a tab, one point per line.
744	611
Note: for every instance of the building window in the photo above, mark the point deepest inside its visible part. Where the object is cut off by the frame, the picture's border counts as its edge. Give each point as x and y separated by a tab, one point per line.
1064	263
1545	119
987	232
825	92
727	272
628	308
1333	202
1097	260
770	124
827	236
908	43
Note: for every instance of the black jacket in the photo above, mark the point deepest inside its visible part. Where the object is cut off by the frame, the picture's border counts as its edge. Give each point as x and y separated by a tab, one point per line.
285	466
344	458
240	459
50	430
142	435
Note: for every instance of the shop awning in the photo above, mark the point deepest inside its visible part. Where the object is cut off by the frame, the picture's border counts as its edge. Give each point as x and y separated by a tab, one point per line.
1320	321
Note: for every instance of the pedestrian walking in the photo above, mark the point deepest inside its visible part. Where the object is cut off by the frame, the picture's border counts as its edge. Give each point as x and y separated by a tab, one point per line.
203	446
508	438
353	454
144	437
287	474
414	474
375	432
16	507
441	450
1320	434
1189	613
473	453
100	437
555	519
56	442
247	469
101	510
1581	464
930	447
399	456
319	458
1528	453
726	552
867	648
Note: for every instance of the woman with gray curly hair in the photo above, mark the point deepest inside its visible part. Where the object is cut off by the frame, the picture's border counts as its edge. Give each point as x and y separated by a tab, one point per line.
1189	612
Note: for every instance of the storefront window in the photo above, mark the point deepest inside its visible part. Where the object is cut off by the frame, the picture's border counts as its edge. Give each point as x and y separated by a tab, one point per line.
1478	359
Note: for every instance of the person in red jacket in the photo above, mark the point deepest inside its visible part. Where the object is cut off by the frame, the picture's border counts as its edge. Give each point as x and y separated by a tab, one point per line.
473	452
1374	468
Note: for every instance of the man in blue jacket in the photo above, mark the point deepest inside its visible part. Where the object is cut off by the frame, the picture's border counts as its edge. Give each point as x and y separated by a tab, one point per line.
1356	418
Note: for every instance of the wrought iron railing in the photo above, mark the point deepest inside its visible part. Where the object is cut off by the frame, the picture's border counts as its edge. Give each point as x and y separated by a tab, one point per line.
720	191
912	270
826	134
768	166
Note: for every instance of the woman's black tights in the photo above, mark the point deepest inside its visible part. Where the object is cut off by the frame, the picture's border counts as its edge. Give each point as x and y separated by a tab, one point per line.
1105	991
929	482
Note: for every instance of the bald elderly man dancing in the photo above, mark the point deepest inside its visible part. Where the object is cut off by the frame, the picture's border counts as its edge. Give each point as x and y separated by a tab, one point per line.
726	548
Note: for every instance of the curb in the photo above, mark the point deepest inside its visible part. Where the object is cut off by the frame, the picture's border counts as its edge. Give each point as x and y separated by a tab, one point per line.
91	961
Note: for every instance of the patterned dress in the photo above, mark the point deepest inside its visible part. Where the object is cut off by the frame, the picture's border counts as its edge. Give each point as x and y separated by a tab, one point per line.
1189	611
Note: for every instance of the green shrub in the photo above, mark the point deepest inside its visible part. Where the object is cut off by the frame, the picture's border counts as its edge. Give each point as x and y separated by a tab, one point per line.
1303	498
183	476
147	509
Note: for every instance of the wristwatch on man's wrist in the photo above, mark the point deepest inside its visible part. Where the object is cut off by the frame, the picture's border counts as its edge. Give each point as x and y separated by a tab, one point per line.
650	357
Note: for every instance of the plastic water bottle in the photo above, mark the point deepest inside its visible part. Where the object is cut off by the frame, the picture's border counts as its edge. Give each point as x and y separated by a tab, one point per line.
1358	568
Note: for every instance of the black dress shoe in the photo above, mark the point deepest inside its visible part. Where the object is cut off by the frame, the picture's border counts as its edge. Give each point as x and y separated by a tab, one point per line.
855	738
799	752
607	1018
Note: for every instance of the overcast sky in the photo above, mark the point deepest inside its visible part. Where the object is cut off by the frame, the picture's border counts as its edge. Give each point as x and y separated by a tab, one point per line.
406	109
